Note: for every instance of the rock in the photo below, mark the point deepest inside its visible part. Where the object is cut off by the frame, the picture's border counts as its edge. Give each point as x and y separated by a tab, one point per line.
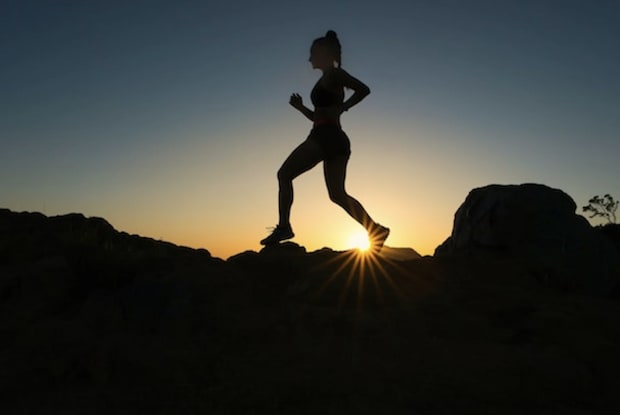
245	257
612	232
400	254
536	225
283	248
97	321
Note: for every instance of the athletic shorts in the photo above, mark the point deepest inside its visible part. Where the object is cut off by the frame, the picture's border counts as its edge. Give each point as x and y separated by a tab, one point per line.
332	139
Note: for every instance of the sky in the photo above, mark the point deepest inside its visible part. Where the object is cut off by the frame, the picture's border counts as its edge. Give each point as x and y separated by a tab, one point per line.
170	119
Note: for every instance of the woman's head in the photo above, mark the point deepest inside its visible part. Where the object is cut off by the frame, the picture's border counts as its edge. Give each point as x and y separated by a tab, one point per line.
325	51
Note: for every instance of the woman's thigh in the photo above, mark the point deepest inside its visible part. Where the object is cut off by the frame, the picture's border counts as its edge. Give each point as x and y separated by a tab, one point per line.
307	155
335	171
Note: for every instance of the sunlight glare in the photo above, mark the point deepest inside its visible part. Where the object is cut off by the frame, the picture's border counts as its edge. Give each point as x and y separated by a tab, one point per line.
359	240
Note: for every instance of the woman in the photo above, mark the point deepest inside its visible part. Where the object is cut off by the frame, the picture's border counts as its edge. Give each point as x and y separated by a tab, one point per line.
326	142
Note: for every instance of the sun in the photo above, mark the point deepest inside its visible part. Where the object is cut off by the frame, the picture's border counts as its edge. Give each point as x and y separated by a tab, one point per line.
359	240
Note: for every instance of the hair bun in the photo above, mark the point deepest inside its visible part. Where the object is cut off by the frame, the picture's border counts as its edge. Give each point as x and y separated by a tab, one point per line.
331	34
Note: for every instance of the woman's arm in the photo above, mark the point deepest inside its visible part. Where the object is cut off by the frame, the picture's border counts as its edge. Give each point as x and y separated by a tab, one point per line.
307	112
297	103
360	88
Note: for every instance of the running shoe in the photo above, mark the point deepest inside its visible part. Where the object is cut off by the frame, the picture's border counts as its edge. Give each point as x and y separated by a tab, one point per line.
279	233
377	237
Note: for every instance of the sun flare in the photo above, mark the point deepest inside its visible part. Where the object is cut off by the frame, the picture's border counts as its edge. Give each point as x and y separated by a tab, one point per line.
359	240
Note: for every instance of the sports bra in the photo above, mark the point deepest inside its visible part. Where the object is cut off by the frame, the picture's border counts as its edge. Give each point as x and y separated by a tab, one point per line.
322	97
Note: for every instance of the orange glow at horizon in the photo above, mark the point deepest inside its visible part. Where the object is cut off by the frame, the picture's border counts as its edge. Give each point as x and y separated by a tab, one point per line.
359	240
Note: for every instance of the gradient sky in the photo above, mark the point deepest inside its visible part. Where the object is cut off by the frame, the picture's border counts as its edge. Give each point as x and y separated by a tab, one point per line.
171	118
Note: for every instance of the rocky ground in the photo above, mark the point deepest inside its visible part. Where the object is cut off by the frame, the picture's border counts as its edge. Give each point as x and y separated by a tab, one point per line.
95	321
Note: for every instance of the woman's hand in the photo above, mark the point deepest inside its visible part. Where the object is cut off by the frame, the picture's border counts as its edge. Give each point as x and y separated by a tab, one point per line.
298	104
296	101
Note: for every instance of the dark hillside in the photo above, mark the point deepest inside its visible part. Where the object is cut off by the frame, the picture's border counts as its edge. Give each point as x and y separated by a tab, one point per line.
98	321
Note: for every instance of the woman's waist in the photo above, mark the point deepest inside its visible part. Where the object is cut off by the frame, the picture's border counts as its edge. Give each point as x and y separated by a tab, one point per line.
326	121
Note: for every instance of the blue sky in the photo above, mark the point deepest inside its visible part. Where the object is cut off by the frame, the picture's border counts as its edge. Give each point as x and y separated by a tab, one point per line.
170	118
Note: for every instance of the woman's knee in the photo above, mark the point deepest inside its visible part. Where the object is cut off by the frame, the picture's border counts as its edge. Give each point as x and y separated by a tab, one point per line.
284	175
339	197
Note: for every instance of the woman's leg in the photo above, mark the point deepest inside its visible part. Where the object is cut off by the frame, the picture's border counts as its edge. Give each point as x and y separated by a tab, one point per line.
302	159
335	172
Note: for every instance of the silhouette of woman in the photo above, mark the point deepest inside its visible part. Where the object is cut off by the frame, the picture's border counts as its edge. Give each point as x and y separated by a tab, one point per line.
326	142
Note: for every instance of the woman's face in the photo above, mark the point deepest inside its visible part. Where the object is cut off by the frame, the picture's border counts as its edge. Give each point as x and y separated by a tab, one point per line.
321	57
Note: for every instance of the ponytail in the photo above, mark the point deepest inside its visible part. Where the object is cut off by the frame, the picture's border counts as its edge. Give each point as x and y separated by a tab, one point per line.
331	40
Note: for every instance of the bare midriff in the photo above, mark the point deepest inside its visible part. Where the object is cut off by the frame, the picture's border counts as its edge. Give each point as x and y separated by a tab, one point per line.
327	121
323	116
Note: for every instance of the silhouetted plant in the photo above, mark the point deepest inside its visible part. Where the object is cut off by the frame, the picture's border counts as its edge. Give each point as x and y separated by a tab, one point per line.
604	206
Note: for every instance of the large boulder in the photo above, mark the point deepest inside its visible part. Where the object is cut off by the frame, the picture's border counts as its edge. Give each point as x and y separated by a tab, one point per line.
538	226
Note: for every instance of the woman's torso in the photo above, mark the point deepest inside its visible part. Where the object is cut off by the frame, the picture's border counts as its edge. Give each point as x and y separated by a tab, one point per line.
326	96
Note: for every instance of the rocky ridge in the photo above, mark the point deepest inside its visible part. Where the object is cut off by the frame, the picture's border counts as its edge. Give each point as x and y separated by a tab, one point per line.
98	321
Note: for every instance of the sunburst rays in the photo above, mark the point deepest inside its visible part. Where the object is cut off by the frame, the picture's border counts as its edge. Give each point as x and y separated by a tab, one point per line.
357	276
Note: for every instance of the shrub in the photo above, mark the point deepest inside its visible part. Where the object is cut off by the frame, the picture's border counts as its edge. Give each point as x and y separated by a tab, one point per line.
604	206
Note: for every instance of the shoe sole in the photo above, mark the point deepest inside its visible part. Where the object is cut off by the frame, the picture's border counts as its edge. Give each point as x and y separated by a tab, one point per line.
265	242
379	240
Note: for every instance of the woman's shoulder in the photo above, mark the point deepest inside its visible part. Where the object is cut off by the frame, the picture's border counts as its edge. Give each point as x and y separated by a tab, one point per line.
338	72
336	76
